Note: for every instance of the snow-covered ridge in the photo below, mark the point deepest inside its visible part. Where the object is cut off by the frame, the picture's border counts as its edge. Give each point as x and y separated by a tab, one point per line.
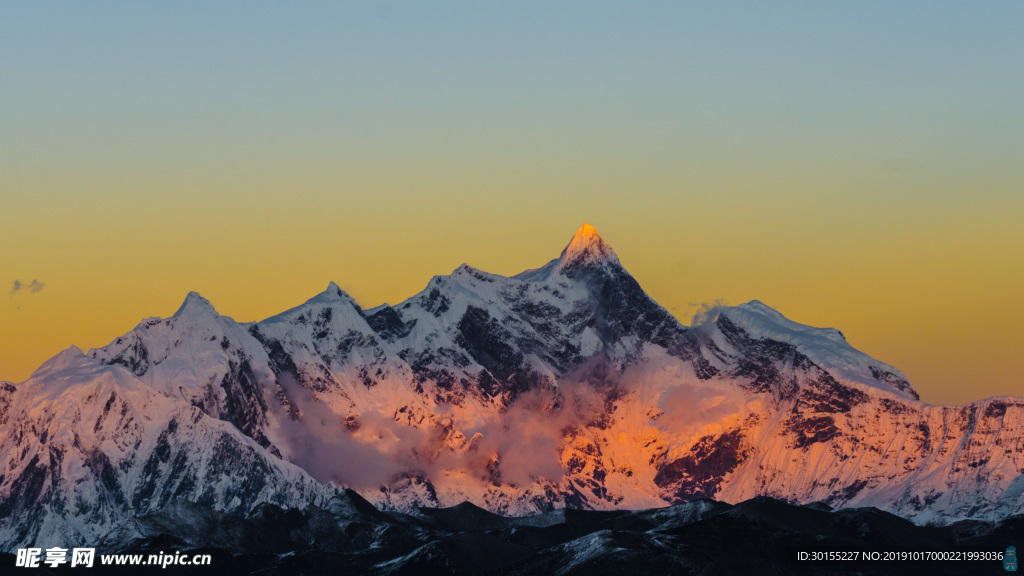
826	347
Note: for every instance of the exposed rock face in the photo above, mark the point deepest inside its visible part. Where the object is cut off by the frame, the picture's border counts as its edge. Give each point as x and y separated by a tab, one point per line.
561	386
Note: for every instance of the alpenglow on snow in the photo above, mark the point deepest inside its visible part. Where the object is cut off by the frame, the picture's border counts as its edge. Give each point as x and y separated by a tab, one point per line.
561	386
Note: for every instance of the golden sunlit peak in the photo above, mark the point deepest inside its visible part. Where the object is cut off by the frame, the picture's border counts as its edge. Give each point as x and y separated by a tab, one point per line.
587	246
586	233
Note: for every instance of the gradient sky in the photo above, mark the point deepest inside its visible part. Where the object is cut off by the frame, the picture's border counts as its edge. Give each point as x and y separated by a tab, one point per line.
859	166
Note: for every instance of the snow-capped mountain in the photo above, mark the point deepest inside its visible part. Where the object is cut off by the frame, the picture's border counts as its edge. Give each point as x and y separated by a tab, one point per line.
565	385
86	446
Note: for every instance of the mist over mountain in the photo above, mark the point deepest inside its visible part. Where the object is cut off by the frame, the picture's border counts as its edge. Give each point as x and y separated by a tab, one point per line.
563	387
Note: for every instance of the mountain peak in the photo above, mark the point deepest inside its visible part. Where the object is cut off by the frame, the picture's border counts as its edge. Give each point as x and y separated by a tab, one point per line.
826	347
61	360
195	304
333	293
585	247
333	289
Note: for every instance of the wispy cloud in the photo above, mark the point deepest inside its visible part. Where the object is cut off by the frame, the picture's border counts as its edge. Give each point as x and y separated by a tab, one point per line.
33	287
707	312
